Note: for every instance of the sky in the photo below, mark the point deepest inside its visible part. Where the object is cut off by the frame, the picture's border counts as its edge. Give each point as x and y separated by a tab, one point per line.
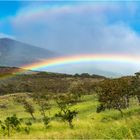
76	27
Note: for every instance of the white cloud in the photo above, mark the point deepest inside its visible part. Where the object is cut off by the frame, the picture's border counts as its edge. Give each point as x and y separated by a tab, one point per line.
78	29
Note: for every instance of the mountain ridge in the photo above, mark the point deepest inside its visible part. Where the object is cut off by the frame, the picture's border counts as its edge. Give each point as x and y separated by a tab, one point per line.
16	53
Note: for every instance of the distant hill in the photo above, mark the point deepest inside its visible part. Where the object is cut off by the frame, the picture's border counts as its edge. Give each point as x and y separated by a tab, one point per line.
14	70
6	70
15	53
15	80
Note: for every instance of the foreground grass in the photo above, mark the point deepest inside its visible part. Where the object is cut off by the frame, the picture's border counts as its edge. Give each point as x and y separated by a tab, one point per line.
87	124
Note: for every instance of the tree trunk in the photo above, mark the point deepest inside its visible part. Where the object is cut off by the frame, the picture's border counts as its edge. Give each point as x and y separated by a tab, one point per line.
127	101
8	131
138	97
33	116
43	112
121	112
70	124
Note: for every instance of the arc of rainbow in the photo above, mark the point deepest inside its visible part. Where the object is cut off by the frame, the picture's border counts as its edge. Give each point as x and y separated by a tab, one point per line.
77	59
82	58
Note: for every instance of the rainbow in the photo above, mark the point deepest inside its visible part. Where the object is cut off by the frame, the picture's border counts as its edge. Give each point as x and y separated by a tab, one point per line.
83	58
58	61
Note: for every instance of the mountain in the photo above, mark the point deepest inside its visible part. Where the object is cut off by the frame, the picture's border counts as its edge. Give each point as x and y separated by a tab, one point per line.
16	53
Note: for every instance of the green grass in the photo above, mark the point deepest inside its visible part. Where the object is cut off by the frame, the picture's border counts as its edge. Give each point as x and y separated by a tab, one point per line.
88	124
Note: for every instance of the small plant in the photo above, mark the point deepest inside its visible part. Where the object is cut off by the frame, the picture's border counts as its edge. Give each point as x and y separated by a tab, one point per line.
27	127
10	124
46	121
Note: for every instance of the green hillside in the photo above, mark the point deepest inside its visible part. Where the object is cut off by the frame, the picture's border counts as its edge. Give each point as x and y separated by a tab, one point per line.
60	106
87	124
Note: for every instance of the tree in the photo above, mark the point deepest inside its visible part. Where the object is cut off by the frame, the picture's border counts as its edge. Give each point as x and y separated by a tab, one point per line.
136	86
42	100
27	105
64	103
76	90
85	75
114	93
10	124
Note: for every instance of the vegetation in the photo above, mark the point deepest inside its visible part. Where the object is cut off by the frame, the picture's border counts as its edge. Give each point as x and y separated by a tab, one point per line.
87	123
10	124
67	107
114	93
26	105
64	103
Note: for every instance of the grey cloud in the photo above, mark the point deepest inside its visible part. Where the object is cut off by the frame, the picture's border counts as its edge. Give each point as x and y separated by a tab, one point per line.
80	34
79	29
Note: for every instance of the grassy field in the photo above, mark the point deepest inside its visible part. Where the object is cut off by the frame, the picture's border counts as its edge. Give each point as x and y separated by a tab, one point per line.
88	124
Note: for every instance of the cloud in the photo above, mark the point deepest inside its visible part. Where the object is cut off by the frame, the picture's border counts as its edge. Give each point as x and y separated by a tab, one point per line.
77	29
80	28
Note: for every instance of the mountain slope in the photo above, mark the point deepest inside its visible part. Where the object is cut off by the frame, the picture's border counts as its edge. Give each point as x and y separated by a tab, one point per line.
15	53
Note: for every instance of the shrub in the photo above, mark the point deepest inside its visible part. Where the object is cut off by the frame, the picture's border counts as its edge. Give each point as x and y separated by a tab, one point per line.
10	124
46	121
27	128
66	114
27	106
114	93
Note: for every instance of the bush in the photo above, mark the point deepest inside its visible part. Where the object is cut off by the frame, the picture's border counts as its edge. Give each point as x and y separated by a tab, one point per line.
46	121
66	114
10	124
114	93
27	106
27	128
